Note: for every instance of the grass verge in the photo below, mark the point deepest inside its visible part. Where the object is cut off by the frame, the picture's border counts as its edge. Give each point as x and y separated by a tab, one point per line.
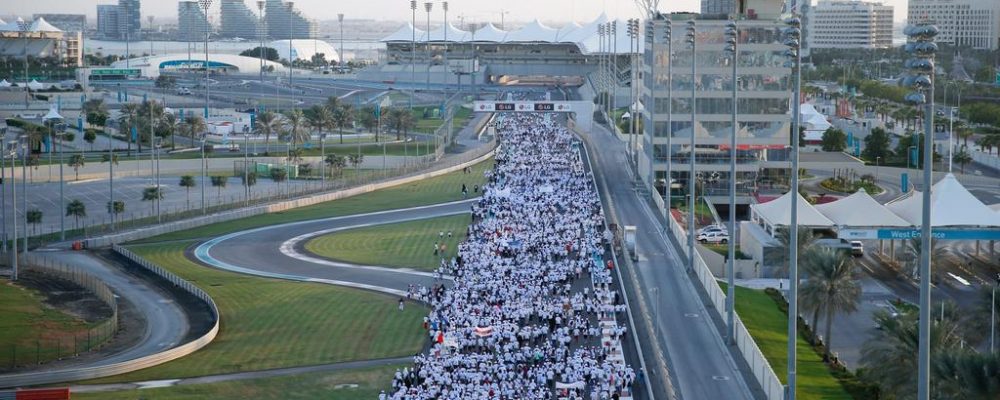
407	244
34	332
320	385
769	327
269	323
435	190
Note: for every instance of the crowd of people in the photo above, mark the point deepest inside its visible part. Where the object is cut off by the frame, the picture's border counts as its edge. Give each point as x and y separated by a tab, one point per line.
531	313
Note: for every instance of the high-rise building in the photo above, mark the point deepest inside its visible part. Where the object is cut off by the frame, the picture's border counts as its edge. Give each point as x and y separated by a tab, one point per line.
192	22
129	20
239	21
971	23
284	22
843	24
718	7
764	106
107	21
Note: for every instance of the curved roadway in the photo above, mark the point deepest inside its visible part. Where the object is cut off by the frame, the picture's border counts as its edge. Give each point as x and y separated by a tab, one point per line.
274	251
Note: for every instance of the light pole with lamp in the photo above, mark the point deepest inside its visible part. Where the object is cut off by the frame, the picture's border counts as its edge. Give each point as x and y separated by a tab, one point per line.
413	52
732	49
340	21
613	71
3	188
204	138
291	62
261	31
877	159
15	145
444	6
428	6
993	313
692	41
208	30
632	29
920	45
792	34
322	155
24	192
601	91
23	26
670	108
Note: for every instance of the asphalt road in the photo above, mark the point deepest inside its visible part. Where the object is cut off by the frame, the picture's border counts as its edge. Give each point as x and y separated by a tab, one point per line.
702	366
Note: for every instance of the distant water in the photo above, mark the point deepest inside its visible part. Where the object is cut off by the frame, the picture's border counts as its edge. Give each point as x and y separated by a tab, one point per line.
360	49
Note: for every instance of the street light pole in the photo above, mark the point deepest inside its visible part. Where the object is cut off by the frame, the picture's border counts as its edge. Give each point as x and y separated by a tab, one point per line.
204	137
291	62
261	31
413	52
692	40
340	21
921	46
204	5
430	60
993	314
792	34
444	6
670	109
732	43
23	26
13	197
62	197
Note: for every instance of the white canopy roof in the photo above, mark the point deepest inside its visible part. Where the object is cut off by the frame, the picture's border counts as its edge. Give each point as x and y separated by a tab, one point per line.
454	34
41	25
534	32
4	83
778	212
489	33
566	32
34	85
860	209
951	205
52	114
405	34
584	32
812	119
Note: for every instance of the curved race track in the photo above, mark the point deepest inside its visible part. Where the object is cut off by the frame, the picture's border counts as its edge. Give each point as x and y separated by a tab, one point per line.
273	251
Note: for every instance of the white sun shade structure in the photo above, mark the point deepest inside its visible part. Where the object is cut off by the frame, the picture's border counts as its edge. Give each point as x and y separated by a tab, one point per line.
860	210
35	85
535	32
951	205
566	32
405	34
454	34
778	212
41	25
5	84
490	34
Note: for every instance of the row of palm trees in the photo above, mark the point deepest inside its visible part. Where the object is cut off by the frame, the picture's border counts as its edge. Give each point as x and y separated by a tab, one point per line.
332	116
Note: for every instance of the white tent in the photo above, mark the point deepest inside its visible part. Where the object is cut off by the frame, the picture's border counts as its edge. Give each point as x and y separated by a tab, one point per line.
995	207
4	84
490	33
304	49
534	32
34	85
860	209
41	25
951	205
778	212
813	120
454	34
566	32
405	34
52	114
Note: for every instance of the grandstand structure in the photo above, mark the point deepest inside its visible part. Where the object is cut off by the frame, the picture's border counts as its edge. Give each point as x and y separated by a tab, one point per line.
40	39
487	54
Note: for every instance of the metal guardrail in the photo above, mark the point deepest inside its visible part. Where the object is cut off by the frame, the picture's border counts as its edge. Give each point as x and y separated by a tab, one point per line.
77	374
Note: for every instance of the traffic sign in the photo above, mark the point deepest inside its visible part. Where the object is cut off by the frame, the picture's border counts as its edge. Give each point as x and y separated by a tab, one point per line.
905	233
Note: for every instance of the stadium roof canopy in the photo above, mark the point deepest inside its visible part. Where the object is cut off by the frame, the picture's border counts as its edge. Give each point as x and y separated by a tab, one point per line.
585	36
38	25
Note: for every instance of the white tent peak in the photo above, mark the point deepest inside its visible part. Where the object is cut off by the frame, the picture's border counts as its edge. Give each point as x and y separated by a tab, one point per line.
536	31
41	25
490	33
405	34
860	209
52	114
778	212
951	205
454	34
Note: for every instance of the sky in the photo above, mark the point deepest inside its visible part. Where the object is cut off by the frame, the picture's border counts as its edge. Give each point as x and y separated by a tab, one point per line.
399	10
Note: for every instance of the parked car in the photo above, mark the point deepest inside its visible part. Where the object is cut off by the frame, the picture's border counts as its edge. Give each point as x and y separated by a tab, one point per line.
183	91
714	237
713	228
857	248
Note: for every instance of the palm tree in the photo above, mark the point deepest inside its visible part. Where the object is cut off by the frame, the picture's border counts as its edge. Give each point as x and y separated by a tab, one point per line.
336	162
267	124
76	209
831	287
127	120
170	126
319	118
806	240
962	158
187	182
115	208
938	253
342	118
219	182
194	124
890	355
968	375
77	161
34	217
332	103
153	194
294	122
150	114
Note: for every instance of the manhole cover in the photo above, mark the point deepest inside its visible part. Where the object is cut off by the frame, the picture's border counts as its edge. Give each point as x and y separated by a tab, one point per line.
720	378
691	315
